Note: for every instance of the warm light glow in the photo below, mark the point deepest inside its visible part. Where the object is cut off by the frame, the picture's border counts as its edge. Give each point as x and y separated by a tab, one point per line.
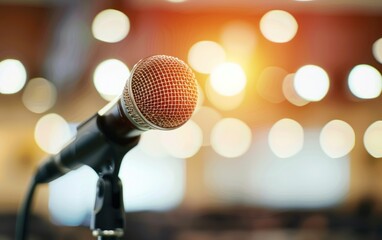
337	139
110	26
228	79
290	92
203	56
278	26
365	81
72	197
373	139
152	183
311	82
183	142
39	95
206	118
377	50
12	76
52	132
231	137
223	102
110	77
286	138
239	38
270	82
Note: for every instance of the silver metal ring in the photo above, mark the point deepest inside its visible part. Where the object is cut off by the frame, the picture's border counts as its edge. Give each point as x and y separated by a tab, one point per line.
108	233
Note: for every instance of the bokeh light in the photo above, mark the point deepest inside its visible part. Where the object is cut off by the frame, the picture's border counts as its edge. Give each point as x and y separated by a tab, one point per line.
52	132
203	56
183	142
373	139
152	183
206	118
110	26
337	138
270	84
39	95
223	102
231	137
150	143
12	76
110	77
228	79
238	38
286	138
290	92
365	81
72	197
377	50
311	82
278	26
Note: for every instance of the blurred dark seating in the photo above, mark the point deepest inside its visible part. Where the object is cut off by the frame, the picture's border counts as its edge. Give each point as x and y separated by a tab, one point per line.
237	223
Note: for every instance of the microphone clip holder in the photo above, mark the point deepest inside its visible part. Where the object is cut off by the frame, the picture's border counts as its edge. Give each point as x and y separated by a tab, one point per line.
108	216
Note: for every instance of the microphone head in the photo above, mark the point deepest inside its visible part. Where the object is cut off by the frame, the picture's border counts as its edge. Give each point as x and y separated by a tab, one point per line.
161	93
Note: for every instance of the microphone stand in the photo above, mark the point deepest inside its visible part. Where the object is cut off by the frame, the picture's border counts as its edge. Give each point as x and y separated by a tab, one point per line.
108	217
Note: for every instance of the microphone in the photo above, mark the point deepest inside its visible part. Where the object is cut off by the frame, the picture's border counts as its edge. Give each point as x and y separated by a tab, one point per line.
161	93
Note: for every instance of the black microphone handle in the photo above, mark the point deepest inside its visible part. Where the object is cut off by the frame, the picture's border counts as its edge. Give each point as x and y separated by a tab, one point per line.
99	141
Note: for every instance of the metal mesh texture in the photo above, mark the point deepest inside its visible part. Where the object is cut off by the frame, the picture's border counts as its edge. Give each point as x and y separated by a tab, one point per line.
162	93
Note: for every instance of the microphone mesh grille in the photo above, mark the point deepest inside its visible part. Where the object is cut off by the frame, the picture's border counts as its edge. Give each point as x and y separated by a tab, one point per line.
164	91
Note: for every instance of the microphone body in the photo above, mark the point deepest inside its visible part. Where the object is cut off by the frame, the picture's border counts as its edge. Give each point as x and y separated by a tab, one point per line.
99	140
161	93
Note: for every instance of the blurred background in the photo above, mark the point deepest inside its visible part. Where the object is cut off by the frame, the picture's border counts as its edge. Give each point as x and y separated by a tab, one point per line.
285	143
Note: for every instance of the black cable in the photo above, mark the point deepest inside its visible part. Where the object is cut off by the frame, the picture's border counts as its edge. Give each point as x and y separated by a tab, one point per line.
23	215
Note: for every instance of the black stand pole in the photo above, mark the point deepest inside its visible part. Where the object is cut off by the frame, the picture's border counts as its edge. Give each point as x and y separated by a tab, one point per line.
108	217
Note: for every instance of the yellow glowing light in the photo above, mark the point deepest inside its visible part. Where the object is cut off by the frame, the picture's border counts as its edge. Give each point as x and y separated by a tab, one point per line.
39	95
311	82
12	76
373	139
228	79
231	137
203	56
239	38
278	26
110	26
110	77
290	92
337	139
270	83
286	138
365	81
377	50
206	118
183	142
52	132
223	102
